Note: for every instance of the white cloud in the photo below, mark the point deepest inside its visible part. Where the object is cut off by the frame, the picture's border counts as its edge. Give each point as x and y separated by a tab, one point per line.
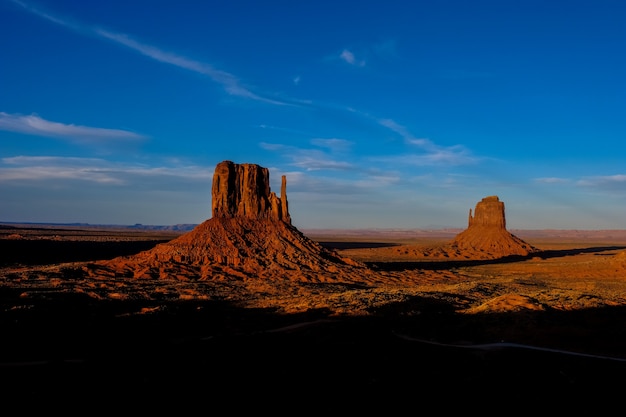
37	168
307	159
434	154
230	83
47	16
35	125
617	181
51	160
44	168
551	180
443	157
314	161
349	57
334	144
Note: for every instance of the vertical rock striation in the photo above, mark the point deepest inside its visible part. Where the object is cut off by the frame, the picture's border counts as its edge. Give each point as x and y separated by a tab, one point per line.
243	190
250	236
489	212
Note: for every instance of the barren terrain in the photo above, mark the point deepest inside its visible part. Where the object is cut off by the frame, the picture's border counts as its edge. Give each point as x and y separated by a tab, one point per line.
411	322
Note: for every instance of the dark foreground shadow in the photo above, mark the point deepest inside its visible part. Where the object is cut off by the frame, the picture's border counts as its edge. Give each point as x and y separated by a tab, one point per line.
71	353
43	252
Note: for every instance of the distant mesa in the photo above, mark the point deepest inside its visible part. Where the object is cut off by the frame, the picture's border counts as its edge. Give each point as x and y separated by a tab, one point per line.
250	235
486	235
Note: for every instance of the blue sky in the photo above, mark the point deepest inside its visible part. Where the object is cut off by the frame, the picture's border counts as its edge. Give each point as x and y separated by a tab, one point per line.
381	114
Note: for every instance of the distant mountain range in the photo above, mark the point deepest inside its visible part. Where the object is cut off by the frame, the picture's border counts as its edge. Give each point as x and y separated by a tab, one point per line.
137	226
372	232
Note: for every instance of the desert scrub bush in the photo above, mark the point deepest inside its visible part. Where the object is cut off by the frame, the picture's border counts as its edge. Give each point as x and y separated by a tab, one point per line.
12	276
72	273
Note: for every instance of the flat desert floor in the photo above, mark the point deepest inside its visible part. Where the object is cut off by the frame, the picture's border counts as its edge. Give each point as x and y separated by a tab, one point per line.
432	331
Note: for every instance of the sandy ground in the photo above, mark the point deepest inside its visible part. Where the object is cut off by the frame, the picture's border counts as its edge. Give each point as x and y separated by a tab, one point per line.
422	327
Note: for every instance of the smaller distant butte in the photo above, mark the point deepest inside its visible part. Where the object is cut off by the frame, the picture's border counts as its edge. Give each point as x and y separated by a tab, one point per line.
486	234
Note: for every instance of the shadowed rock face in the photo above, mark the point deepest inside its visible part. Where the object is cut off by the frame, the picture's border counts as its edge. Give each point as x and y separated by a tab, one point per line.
243	190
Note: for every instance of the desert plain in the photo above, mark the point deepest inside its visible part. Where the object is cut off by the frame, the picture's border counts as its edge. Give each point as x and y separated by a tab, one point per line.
424	326
247	313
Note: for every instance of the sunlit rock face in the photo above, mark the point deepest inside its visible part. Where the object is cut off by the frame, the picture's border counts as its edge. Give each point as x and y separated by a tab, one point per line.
486	235
250	236
489	212
243	190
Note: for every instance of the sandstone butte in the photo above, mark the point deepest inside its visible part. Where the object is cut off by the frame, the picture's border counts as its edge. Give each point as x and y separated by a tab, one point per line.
486	234
486	237
250	235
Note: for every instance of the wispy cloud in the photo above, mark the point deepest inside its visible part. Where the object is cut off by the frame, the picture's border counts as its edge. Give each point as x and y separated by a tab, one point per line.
551	180
611	182
307	159
47	16
315	186
95	170
35	125
37	168
433	153
231	84
333	144
440	158
348	56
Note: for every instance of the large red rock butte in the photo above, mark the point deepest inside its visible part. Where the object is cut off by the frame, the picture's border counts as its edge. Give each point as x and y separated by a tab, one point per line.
249	236
486	234
243	190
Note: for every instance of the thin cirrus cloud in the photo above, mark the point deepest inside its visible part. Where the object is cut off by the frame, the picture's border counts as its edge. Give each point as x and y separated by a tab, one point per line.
37	168
230	83
233	86
35	125
551	180
333	144
611	182
434	154
307	159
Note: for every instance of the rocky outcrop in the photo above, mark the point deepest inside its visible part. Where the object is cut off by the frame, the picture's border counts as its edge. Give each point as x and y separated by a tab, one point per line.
243	190
250	236
486	235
